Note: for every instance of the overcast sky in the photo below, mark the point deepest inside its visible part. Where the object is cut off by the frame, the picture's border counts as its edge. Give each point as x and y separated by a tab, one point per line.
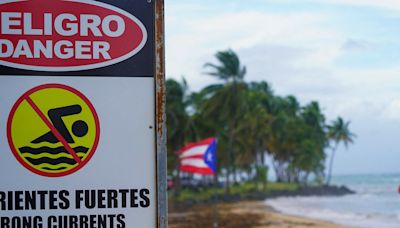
341	53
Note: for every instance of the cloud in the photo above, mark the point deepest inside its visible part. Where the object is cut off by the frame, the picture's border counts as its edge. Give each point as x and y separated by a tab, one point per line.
355	45
368	93
383	4
198	38
282	66
296	52
308	52
392	111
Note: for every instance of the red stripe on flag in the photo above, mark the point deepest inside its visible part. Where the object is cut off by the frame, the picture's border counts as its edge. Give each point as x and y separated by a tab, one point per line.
201	143
193	169
201	156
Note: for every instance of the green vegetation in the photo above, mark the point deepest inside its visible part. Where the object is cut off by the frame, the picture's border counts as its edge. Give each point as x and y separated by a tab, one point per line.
243	189
249	121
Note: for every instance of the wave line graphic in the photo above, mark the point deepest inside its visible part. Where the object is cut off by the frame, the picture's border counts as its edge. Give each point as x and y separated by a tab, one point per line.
51	161
53	167
50	150
52	156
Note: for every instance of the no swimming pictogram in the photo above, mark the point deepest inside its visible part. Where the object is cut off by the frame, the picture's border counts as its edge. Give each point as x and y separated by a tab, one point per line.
53	130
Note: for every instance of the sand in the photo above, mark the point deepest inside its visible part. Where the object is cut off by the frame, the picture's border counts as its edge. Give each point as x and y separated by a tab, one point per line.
239	215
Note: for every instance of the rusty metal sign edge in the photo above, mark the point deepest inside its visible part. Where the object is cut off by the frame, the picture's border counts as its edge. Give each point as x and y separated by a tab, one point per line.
161	130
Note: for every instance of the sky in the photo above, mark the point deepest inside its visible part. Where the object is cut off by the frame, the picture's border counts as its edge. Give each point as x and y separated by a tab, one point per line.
345	54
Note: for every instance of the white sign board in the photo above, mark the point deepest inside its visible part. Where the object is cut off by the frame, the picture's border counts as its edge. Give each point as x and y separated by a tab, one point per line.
77	119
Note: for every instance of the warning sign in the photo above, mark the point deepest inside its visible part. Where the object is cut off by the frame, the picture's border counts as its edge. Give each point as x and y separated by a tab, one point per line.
53	130
70	72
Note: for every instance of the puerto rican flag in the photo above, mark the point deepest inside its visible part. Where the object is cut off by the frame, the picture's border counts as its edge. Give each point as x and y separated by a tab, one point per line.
199	157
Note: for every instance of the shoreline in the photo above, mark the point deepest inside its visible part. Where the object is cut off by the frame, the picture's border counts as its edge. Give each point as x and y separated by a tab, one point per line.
319	222
248	210
240	214
323	190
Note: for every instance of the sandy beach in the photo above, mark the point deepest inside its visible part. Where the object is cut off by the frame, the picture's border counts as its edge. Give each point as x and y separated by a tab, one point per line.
238	215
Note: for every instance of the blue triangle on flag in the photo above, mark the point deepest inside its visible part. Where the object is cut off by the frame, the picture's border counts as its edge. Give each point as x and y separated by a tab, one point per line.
210	157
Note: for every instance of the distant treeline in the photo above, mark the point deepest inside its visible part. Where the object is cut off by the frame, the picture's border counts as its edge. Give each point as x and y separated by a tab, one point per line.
249	121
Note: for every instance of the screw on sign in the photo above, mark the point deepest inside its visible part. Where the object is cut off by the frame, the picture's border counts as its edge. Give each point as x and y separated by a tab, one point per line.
53	130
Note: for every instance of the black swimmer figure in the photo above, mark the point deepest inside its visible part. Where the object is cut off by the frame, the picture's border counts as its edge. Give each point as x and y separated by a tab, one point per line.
79	127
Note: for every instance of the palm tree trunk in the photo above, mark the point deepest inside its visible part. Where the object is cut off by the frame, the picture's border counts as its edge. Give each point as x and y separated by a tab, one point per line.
262	157
233	129
328	179
227	182
177	179
234	175
278	174
231	169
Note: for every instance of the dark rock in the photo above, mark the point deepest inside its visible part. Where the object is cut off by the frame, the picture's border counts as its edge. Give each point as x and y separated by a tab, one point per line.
324	190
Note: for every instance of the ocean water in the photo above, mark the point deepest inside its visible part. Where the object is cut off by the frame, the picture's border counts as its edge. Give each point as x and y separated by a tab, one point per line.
375	205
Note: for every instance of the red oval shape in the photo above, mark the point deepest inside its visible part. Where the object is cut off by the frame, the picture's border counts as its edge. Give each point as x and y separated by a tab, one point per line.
67	35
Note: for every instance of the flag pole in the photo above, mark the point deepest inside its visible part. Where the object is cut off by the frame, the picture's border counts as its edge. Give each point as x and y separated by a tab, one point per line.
216	189
215	200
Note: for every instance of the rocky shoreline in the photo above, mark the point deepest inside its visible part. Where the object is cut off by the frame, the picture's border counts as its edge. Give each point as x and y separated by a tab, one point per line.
324	190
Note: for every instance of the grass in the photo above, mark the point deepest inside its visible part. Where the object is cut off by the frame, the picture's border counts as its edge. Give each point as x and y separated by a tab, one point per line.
241	189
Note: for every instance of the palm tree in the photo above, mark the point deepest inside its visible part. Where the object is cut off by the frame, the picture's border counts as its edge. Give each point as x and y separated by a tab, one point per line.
284	128
296	139
224	104
180	124
177	116
338	132
230	68
253	129
312	142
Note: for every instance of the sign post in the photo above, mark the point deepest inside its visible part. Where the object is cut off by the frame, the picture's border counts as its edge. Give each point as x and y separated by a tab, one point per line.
82	114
